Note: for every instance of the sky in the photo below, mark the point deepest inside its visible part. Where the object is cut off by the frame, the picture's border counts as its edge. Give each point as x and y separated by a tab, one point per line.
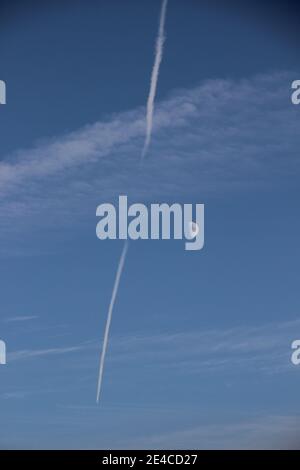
199	354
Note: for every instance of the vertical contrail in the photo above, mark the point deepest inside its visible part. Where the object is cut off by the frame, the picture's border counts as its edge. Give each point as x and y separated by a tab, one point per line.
154	77
109	316
149	123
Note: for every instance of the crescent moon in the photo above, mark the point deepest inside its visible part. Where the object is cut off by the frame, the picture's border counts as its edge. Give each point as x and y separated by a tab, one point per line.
193	229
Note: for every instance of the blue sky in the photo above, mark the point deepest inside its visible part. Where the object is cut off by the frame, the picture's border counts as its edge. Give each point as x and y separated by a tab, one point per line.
199	354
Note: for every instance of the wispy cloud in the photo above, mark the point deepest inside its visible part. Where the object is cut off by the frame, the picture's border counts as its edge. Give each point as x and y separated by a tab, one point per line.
17	394
259	432
23	318
26	354
221	135
247	105
263	349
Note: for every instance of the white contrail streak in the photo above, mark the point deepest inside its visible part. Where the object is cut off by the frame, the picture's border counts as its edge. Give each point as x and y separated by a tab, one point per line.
149	124
109	316
154	77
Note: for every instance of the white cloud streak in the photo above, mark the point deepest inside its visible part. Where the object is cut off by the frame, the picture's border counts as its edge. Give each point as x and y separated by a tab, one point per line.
154	77
264	349
109	317
26	354
213	124
149	124
23	318
224	135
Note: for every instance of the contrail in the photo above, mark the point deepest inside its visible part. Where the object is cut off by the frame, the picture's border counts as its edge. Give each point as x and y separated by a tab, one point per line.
109	316
149	124
154	77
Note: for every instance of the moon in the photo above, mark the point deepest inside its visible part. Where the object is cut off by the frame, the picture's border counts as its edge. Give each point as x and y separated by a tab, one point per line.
193	229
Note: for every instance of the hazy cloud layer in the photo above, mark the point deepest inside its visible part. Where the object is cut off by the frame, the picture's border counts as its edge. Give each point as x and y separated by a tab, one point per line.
260	432
265	348
221	135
